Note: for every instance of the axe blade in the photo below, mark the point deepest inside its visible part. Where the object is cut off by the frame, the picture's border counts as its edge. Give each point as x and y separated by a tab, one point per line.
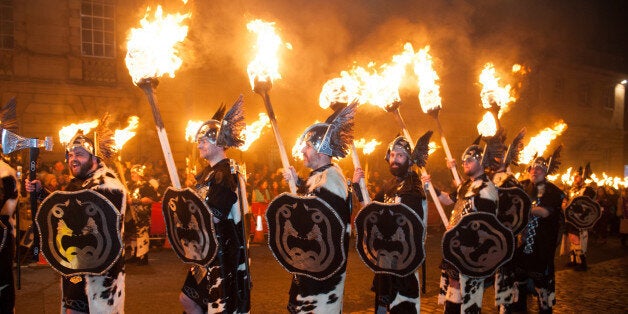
12	142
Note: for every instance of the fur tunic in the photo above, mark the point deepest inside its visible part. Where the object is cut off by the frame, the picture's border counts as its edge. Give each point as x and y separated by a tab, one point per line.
312	296
105	293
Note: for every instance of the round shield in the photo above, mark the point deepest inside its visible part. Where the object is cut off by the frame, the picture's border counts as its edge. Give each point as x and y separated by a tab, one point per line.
3	235
582	212
478	245
514	208
390	238
306	235
79	232
190	226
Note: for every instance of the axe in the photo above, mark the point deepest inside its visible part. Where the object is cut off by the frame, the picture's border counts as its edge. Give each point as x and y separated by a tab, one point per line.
12	142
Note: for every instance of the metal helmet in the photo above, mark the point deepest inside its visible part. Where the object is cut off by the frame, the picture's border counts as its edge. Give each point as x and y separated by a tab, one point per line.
474	151
333	136
402	143
138	169
81	140
222	129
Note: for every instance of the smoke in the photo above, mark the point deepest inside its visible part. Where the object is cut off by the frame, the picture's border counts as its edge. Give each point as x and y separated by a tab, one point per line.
329	36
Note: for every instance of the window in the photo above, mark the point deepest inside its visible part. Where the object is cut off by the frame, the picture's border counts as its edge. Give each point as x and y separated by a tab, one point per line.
6	24
97	21
584	95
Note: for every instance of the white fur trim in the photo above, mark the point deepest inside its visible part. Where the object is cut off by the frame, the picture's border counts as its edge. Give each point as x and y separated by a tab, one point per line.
331	179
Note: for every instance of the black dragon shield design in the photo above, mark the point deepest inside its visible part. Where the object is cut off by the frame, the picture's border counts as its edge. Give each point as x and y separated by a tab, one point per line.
583	212
79	232
478	245
306	235
190	226
514	208
390	238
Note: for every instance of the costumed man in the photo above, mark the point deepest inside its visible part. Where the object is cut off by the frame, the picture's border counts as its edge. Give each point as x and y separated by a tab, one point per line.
222	286
534	256
461	293
578	238
87	293
320	143
396	294
140	200
8	202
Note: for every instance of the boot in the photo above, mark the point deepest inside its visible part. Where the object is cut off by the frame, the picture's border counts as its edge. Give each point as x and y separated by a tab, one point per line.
582	266
143	260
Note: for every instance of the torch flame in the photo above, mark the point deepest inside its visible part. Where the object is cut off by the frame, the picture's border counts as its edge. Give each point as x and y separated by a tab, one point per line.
122	136
296	149
343	89
567	178
431	148
488	126
492	92
67	132
539	143
265	65
253	131
152	49
191	129
367	147
429	91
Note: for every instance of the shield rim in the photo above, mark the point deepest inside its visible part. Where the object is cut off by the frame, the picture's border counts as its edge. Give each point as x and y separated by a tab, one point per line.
117	213
522	226
342	239
588	199
5	233
359	236
506	260
211	227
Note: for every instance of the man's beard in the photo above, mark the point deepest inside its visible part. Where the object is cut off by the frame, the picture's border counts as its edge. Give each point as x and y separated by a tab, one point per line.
401	170
84	169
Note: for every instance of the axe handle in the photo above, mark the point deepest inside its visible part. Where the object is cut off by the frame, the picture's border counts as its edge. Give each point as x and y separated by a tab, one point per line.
32	175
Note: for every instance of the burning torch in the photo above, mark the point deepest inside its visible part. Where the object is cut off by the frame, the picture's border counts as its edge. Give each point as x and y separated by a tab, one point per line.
262	70
429	97
151	53
120	138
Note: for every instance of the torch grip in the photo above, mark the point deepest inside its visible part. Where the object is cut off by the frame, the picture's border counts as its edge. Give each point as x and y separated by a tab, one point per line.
454	172
282	150
439	207
361	183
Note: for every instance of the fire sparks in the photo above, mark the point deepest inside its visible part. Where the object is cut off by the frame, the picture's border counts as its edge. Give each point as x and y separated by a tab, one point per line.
539	143
432	147
191	129
253	131
367	147
122	136
488	126
152	49
67	132
265	65
492	93
429	91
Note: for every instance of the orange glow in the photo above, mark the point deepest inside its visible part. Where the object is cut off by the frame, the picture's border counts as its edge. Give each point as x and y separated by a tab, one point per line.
253	131
265	65
429	91
539	143
432	147
487	127
367	147
343	89
492	92
296	149
152	50
67	132
191	129
120	137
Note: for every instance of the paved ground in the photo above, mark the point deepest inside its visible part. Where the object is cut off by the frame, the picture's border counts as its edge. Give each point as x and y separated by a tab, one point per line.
155	288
